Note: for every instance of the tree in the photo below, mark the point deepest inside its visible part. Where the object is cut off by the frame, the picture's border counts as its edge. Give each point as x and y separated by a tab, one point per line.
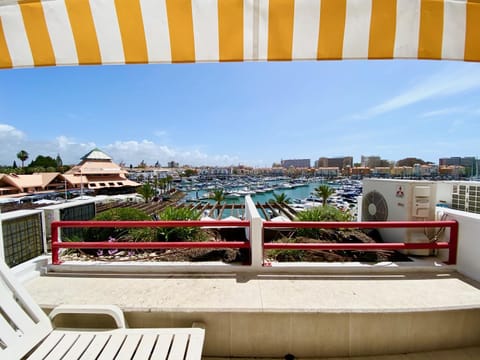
14	166
22	155
280	198
190	172
44	162
410	162
163	184
324	191
156	182
59	161
218	195
36	169
169	180
146	191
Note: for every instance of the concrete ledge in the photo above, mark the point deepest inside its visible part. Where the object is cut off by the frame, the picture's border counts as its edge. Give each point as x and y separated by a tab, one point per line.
305	315
426	264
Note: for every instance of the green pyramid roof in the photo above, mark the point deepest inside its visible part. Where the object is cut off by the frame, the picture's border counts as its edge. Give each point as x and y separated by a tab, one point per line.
96	154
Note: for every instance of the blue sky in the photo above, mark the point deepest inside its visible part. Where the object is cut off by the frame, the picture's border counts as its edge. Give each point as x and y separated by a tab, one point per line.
243	113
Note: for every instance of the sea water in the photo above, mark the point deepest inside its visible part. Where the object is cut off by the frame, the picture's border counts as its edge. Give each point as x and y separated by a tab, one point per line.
296	193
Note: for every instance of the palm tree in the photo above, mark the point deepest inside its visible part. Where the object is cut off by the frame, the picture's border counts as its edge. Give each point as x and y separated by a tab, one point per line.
146	191
218	195
163	184
22	155
324	191
280	198
169	180
155	184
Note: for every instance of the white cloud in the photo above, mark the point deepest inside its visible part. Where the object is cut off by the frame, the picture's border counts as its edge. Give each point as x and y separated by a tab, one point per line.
135	151
445	111
12	141
445	83
65	143
130	152
9	132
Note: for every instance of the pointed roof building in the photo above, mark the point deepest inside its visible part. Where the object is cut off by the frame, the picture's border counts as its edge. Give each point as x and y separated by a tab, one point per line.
98	172
96	154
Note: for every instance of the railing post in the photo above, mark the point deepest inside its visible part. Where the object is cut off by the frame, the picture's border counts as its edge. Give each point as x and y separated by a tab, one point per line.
55	249
255	234
452	250
256	242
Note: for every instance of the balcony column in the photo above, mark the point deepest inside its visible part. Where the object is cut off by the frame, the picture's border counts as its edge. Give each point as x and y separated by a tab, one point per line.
255	235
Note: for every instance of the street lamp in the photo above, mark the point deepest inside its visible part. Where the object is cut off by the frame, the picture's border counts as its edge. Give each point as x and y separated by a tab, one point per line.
81	181
81	184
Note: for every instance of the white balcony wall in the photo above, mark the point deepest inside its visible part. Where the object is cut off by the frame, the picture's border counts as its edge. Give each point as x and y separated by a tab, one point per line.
468	241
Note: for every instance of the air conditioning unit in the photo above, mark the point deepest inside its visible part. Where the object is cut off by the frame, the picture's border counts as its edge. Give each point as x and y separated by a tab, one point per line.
400	200
466	197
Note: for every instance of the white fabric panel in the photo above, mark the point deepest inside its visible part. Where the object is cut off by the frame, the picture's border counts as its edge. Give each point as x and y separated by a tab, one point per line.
108	32
205	30
357	29
60	30
407	29
157	34
263	30
305	29
248	29
16	36
454	27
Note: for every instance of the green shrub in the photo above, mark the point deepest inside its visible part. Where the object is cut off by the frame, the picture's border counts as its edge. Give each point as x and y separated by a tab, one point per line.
171	213
323	213
72	238
320	213
285	254
128	234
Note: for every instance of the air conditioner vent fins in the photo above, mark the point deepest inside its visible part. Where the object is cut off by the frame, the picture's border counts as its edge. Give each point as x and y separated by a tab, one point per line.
374	207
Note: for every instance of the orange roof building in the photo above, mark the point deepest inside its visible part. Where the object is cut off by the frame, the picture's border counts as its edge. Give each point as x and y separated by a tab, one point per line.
95	172
99	173
18	184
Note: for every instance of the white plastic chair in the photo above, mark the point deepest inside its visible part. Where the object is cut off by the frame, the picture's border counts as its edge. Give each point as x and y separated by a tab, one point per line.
27	332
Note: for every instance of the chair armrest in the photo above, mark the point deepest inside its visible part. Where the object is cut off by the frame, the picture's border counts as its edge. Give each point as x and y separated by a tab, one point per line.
114	311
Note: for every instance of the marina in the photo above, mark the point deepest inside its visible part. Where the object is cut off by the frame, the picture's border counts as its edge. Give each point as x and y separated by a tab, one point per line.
299	193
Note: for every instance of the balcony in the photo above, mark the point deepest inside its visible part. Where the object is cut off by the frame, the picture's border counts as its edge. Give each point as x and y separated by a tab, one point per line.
427	308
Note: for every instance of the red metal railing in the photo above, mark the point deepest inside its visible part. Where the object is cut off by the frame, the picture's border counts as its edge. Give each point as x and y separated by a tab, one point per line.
451	245
57	245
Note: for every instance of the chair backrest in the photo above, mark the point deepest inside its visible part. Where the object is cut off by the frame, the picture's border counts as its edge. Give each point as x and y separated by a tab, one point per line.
23	324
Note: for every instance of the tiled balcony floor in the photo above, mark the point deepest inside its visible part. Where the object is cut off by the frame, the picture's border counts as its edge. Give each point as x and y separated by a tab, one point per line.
306	315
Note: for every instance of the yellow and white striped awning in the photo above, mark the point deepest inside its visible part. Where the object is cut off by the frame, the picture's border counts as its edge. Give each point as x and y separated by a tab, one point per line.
72	32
